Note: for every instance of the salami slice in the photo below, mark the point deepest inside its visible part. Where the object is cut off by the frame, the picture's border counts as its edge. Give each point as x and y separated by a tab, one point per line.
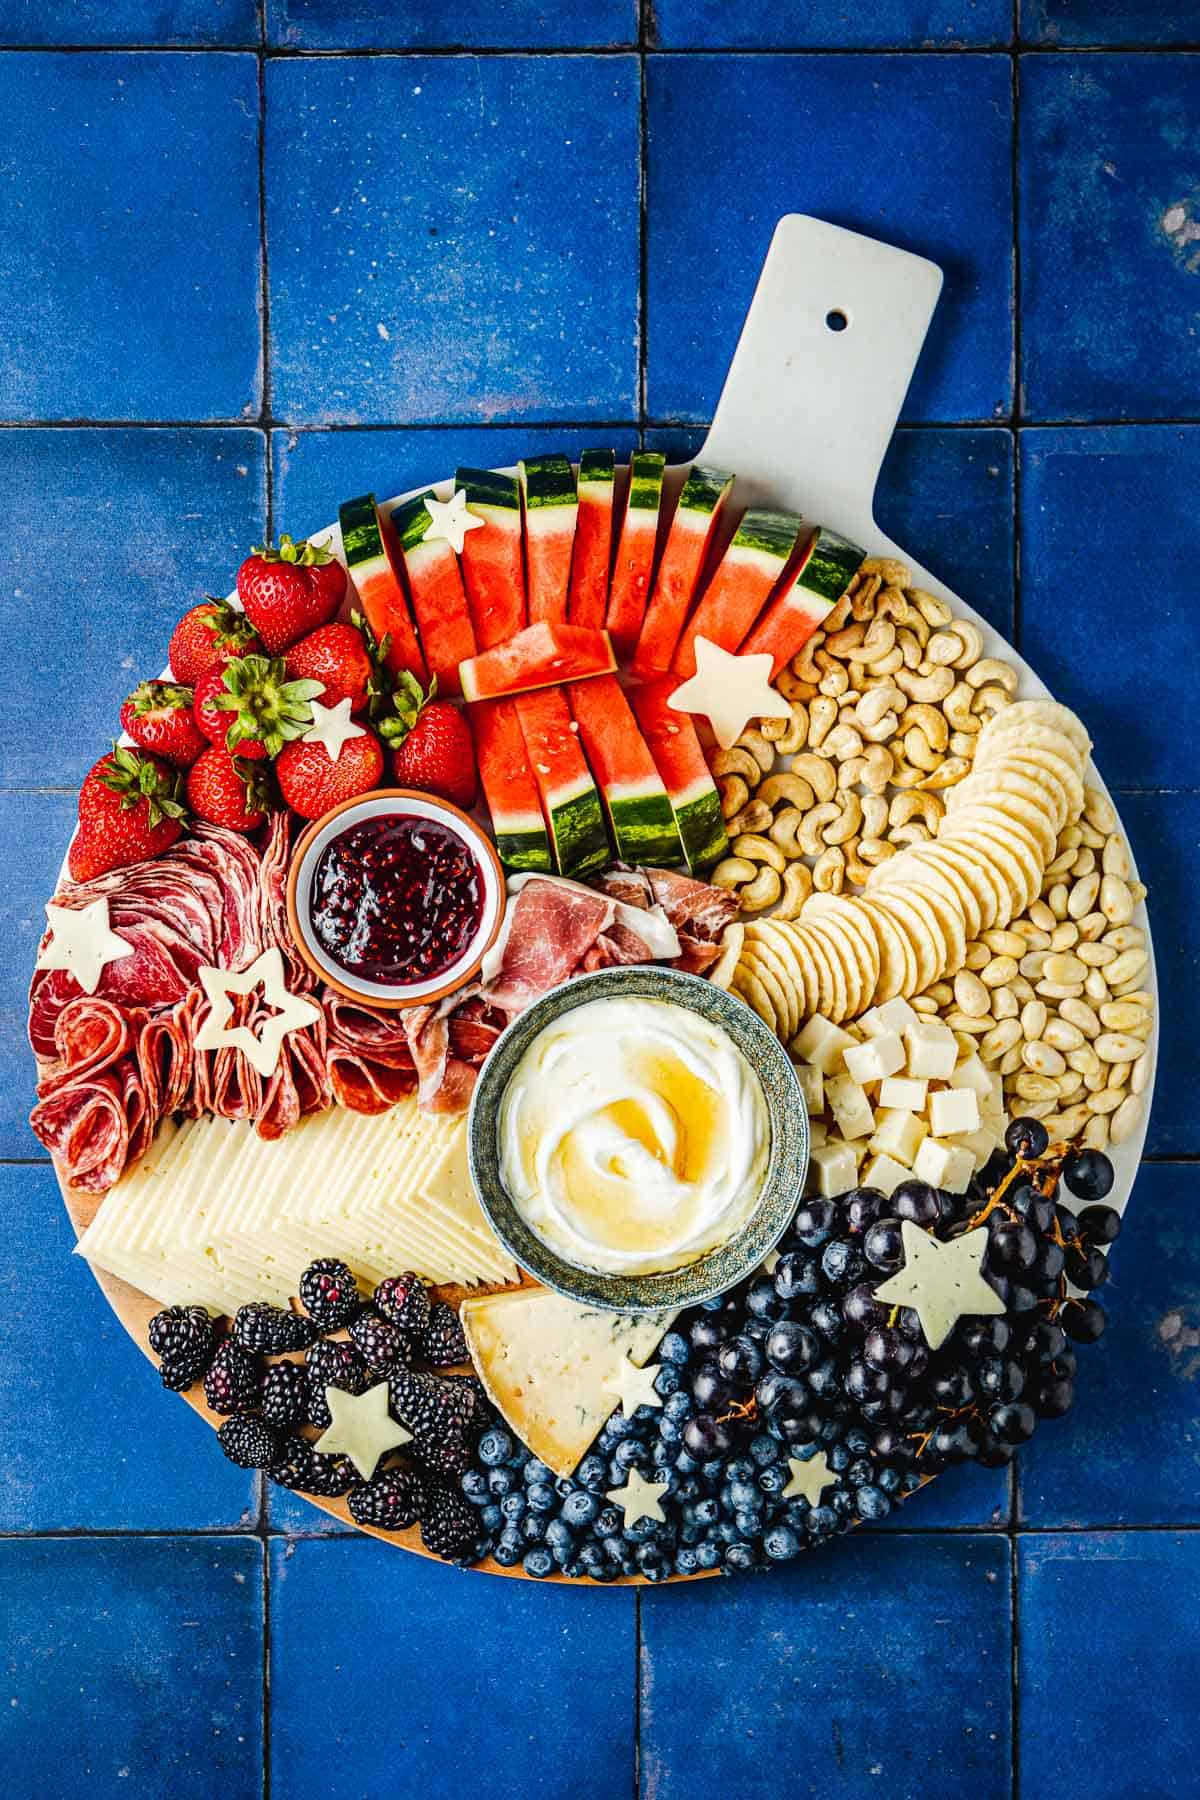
89	1035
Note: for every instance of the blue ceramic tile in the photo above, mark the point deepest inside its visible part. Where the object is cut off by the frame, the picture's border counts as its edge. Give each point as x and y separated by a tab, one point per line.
811	1680
415	25
453	238
144	22
1099	22
129	263
109	536
1109	1622
1164	830
1110	236
91	1439
947	498
34	832
1126	1453
960	1499
315	470
133	1667
429	1680
813	24
1108	535
866	141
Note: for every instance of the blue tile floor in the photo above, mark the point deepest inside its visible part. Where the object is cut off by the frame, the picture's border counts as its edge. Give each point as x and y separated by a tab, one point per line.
247	269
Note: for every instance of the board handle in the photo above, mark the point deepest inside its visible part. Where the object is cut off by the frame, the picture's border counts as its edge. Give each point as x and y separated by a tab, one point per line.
821	370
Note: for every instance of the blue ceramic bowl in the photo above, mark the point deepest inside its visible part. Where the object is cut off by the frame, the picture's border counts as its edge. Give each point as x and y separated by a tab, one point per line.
718	1269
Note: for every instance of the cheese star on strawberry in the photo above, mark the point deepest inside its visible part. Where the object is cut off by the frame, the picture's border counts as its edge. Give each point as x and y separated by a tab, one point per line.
332	727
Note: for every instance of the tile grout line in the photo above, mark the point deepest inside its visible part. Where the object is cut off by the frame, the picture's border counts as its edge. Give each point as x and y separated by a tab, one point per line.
1015	1675
558	52
1018	385
266	422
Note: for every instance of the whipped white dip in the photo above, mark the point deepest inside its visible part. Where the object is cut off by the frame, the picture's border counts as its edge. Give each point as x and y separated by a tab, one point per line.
634	1136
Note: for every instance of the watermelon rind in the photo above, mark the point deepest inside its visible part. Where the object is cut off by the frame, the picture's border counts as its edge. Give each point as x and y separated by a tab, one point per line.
646	469
488	488
509	787
410	520
700	824
831	565
362	540
640	816
377	583
673	743
547	481
597	468
681	567
570	800
772	533
703	491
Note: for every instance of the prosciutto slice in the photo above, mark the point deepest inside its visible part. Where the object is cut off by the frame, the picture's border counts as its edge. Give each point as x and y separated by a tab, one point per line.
552	929
694	908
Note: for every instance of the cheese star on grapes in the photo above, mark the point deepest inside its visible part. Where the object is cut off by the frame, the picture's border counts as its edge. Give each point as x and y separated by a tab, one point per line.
449	520
942	1282
730	691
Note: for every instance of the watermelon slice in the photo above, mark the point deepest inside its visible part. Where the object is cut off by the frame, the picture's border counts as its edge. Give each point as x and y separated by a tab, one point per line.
829	565
639	812
509	787
491	559
704	494
635	552
551	509
748	571
435	584
377	584
539	656
593	538
675	747
570	803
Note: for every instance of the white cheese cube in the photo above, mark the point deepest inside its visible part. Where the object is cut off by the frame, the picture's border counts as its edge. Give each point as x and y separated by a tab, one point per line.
897	1134
837	1168
953	1111
932	1051
878	1057
882	1173
903	1093
821	1043
818	1133
971	1073
812	1086
980	1143
946	1166
850	1106
894	1015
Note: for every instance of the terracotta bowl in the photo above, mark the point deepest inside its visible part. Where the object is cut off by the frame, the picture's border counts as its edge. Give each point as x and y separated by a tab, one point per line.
338	819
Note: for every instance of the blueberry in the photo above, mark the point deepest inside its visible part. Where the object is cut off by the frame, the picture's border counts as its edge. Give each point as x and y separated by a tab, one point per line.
533	1528
676	1406
592	1472
541	1497
490	1517
889	1480
708	1556
822	1521
744	1493
627	1453
668	1380
670	1431
501	1481
674	1349
513	1506
475	1487
707	1332
535	1471
538	1562
508	1549
686	1562
708	1511
781	1543
872	1502
741	1557
495	1447
686	1463
764	1449
774	1479
558	1534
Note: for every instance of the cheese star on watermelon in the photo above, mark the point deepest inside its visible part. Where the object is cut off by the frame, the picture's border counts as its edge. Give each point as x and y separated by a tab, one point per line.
729	691
450	520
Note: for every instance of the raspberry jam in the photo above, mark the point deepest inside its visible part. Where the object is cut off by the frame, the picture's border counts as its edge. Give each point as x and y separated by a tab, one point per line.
396	899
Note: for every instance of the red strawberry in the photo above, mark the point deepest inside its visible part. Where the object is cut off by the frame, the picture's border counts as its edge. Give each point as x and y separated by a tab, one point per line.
250	706
290	591
208	634
431	744
228	790
158	716
129	810
336	656
311	783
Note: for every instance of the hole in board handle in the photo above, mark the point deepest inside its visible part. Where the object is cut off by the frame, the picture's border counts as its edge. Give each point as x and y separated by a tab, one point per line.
836	320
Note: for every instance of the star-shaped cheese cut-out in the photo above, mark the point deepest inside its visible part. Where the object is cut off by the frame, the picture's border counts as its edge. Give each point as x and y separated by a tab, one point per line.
730	691
638	1499
361	1428
291	1013
332	726
635	1386
83	942
941	1281
450	520
809	1478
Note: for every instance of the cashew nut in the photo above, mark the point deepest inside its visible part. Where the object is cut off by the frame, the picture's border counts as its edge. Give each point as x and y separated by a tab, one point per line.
944	648
875	850
818	773
793	687
762	751
788	735
856	870
756	816
895	573
909	645
734	794
843	742
760	850
803	664
907	835
927	690
924	806
787	823
739	760
919	751
992	669
989	700
762	892
891	604
872	770
935	612
797	886
731	871
951	772
787	785
809	836
878	643
874	816
848	823
841	643
829	871
929	722
957	705
822	717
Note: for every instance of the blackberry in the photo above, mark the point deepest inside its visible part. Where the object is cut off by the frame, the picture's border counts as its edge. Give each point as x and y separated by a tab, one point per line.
307	1471
403	1301
182	1337
392	1502
329	1293
383	1346
233	1381
449	1455
434	1406
332	1365
441	1343
284	1399
249	1443
272	1329
449	1526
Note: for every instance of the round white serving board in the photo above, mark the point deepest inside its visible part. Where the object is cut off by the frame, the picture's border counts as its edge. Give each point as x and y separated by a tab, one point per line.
804	420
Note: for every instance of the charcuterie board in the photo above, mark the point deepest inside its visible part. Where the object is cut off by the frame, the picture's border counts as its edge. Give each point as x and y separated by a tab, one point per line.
809	406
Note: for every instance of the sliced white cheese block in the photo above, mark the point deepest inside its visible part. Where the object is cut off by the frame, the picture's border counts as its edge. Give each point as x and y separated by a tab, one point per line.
547	1361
